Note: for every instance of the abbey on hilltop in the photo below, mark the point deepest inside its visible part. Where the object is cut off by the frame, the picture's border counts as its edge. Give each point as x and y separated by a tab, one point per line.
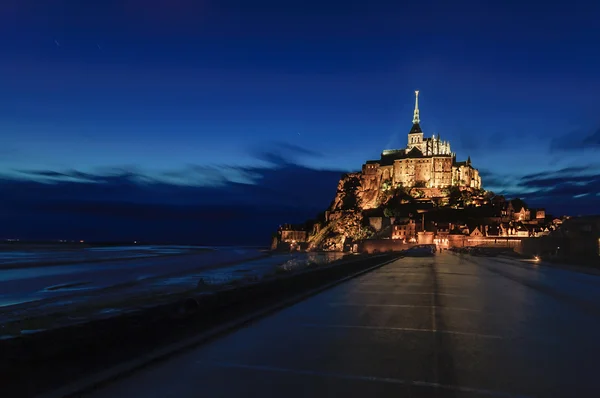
419	194
427	163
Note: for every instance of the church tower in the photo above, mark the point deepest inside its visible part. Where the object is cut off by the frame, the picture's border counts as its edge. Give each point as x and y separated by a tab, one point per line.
415	135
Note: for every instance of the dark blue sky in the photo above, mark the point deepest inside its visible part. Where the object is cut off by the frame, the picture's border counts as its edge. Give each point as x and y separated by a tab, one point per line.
169	91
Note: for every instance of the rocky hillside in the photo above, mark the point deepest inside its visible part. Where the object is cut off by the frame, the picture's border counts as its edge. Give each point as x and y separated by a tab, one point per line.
343	227
358	195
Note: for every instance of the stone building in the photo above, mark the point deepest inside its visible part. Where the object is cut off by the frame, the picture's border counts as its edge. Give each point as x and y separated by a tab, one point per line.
292	234
517	210
405	231
426	162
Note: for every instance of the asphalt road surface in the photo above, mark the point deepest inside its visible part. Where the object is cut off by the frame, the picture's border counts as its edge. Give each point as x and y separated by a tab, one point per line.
446	326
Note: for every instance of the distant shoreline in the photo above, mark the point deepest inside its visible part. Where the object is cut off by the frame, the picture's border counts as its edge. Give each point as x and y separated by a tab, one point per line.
68	261
50	263
7	243
19	254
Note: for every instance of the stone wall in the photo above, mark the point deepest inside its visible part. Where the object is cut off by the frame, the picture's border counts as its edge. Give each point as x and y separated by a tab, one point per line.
495	241
432	192
425	238
294	236
489	241
457	240
442	171
383	245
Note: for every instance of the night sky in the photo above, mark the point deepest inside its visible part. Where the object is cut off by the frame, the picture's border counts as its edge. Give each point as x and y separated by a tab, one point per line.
184	120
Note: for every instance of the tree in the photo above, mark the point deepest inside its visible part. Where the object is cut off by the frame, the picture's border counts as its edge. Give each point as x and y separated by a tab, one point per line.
466	197
351	226
453	195
418	193
386	185
420	184
518	204
498	201
401	194
394	195
392	211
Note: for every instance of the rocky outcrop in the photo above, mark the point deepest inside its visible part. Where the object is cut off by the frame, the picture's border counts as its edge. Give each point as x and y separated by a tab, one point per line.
357	191
370	189
347	225
348	185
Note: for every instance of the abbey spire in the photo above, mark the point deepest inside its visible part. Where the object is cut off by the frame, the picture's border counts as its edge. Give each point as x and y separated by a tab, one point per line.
416	128
416	119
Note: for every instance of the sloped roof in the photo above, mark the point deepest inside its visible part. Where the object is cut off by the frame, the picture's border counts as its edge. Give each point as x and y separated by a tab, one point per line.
416	128
414	153
518	204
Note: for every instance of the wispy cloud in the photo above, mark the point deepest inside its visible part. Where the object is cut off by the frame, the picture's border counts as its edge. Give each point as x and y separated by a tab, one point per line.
203	204
569	190
576	140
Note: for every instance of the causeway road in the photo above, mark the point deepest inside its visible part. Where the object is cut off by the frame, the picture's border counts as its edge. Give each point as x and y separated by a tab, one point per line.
444	326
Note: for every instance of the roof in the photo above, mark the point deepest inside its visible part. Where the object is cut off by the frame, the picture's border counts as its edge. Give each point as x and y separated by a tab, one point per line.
414	153
387	160
518	204
415	129
463	163
388	156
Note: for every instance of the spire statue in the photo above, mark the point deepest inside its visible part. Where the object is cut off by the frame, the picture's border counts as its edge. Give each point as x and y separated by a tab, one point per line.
416	119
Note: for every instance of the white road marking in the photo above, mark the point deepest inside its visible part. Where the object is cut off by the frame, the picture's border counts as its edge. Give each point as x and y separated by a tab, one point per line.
403	306
434	338
394	275
325	326
414	383
407	293
400	284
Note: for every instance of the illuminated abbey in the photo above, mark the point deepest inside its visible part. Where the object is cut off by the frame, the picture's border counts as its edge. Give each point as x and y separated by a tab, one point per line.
425	162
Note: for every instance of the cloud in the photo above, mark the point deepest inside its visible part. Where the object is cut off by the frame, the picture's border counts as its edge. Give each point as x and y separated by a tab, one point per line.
196	204
565	171
283	153
570	190
575	141
53	175
224	204
494	180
